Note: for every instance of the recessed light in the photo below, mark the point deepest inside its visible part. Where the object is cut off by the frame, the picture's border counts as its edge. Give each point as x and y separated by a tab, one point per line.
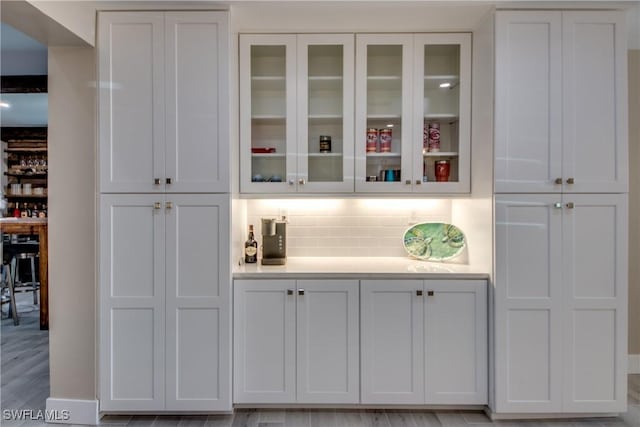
445	85
4	104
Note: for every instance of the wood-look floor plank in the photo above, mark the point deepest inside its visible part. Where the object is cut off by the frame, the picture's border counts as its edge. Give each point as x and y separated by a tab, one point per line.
219	421
271	416
426	419
451	419
297	418
475	418
142	420
374	418
248	418
116	419
401	419
349	418
323	418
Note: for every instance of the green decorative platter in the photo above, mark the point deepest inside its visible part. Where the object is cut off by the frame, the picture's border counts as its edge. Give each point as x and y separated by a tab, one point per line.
434	241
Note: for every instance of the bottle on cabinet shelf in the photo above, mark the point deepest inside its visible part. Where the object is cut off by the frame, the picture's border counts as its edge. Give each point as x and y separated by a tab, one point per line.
251	248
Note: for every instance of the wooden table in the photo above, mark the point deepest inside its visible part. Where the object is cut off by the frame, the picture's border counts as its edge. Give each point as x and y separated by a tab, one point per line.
34	226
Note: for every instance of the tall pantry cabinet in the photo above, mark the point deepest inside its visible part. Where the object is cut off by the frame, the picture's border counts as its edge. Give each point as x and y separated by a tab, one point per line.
561	253
164	267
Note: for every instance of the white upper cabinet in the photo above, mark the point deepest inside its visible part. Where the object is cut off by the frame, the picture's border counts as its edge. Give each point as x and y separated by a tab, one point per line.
320	115
384	70
296	120
560	113
413	113
163	102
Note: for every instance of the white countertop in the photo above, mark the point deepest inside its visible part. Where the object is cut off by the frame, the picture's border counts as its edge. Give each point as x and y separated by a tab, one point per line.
357	267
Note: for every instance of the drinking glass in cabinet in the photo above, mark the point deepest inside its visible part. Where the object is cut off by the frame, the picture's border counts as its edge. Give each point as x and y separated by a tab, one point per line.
268	113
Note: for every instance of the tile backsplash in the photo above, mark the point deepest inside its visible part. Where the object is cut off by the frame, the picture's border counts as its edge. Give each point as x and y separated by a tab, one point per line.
347	227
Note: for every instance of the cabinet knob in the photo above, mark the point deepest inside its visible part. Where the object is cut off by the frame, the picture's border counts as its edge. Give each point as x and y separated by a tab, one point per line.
289	291
169	205
570	180
558	181
302	181
430	293
570	205
168	180
156	205
557	205
300	291
418	181
291	182
419	293
156	181
407	182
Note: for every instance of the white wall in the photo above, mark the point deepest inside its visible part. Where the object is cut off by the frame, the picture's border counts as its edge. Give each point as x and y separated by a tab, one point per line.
72	218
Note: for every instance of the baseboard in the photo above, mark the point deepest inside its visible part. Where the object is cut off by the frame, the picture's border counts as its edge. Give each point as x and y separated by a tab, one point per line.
70	411
634	364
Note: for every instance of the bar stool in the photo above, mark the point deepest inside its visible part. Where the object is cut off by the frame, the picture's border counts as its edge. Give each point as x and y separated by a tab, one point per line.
12	254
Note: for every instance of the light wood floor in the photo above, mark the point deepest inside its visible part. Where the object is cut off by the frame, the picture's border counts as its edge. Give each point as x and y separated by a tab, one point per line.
25	385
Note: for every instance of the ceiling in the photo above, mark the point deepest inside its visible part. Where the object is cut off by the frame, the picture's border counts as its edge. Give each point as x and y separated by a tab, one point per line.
22	55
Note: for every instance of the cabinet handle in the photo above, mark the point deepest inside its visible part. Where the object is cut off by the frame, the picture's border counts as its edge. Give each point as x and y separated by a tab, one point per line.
557	205
168	180
418	181
430	293
156	205
300	291
407	182
570	205
302	181
156	181
169	205
289	291
570	180
558	181
419	293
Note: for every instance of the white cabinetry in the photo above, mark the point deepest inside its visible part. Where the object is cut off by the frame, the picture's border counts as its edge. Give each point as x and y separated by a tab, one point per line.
294	89
561	121
164	320
405	84
424	341
163	100
561	256
561	287
296	341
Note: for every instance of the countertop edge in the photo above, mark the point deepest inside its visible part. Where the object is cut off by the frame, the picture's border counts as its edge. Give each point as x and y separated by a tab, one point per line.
364	276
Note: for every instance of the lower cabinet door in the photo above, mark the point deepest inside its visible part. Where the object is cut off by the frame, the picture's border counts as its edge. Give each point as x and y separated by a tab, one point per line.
264	341
392	341
327	341
456	364
132	310
198	335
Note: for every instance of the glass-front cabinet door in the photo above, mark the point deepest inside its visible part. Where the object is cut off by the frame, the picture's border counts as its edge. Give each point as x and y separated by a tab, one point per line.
268	113
296	113
442	110
383	112
325	112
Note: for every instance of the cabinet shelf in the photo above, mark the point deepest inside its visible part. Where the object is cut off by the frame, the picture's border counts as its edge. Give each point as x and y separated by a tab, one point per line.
332	83
384	154
269	155
384	117
37	175
325	117
441	154
433	81
324	155
268	82
268	118
384	82
26	150
452	117
25	196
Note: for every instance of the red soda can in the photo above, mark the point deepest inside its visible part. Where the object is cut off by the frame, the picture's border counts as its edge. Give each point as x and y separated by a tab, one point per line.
434	137
372	140
385	140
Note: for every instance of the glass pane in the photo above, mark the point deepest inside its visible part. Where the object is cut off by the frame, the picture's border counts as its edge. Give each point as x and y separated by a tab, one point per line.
441	112
268	113
325	113
384	112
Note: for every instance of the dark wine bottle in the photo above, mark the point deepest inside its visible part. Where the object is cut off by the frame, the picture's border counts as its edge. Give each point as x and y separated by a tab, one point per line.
251	248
